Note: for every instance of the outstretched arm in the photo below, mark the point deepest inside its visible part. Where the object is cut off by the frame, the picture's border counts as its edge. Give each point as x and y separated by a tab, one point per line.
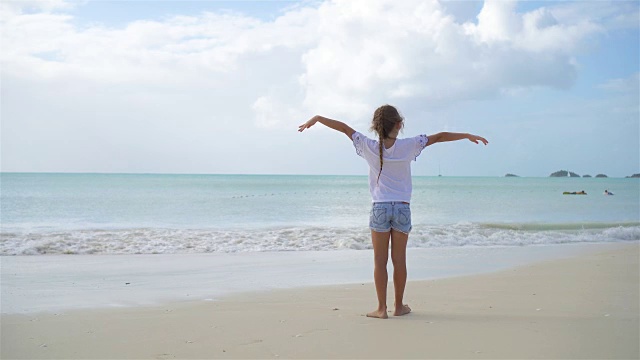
334	124
448	136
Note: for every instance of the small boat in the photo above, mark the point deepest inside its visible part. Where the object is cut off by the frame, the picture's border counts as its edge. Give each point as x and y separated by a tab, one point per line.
574	193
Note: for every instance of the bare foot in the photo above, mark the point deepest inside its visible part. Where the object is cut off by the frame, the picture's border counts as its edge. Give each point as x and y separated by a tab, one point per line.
380	314
402	310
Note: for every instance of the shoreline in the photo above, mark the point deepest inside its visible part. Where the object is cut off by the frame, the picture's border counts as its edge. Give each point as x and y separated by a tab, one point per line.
58	283
579	306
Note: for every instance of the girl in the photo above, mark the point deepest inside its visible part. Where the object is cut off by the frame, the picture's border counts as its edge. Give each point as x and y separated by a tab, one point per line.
389	160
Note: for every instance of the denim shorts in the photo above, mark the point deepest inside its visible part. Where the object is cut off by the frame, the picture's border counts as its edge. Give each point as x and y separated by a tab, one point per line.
390	215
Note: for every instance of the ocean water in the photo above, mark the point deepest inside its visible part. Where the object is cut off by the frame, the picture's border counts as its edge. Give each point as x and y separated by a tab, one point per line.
153	214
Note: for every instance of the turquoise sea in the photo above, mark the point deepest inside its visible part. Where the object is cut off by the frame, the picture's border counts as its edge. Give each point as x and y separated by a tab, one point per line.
150	213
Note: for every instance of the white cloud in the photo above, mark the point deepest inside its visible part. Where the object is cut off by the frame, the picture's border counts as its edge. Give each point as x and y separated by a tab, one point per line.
271	110
542	33
10	7
180	48
338	58
625	85
497	21
354	54
612	15
415	51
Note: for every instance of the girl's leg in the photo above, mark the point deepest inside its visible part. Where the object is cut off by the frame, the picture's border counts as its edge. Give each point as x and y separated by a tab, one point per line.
380	242
399	259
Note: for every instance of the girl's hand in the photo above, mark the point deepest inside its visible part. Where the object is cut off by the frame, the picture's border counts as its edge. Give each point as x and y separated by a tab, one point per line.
308	124
476	138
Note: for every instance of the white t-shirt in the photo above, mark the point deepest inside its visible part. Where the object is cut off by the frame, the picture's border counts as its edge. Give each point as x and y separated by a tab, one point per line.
395	179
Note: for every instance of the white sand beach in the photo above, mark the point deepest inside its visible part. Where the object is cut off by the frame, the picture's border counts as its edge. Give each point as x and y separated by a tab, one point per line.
586	306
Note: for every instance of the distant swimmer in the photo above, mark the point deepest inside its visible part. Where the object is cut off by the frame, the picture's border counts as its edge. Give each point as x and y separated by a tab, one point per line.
575	193
607	192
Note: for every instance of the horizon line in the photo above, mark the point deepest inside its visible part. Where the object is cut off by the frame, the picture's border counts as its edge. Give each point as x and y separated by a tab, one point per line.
290	174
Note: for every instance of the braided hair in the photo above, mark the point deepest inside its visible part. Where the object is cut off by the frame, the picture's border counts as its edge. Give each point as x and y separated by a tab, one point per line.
384	120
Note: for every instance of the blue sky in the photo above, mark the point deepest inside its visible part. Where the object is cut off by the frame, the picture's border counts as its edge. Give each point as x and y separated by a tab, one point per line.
220	86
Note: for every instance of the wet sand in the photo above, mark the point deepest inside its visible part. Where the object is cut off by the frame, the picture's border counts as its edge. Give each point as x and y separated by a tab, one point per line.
585	306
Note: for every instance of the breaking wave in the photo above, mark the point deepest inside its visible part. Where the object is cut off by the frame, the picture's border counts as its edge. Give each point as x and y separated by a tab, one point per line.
168	241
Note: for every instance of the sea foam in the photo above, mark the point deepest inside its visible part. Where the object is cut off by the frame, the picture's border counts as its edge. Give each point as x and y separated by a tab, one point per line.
176	241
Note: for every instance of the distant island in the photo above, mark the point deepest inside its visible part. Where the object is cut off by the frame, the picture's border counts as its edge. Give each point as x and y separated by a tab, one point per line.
564	173
567	173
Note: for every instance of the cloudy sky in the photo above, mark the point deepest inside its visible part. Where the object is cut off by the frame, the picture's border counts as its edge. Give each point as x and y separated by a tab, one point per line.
221	86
